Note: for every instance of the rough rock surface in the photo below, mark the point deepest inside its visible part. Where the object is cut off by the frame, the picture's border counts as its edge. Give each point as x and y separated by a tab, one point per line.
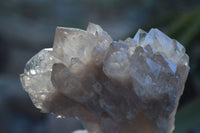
130	86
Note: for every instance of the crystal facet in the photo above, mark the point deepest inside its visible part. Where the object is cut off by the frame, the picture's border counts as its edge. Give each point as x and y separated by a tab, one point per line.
111	86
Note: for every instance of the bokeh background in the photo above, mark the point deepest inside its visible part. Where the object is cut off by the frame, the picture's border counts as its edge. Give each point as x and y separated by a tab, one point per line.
27	26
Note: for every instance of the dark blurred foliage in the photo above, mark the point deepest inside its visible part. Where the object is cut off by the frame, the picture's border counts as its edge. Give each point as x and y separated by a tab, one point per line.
26	26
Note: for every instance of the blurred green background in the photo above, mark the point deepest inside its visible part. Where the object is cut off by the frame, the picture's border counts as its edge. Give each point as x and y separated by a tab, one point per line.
26	26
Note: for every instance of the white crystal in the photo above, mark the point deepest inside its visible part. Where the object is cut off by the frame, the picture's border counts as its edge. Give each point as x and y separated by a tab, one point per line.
80	131
112	86
36	78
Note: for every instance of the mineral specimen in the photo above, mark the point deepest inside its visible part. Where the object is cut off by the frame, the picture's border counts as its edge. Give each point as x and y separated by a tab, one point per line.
130	86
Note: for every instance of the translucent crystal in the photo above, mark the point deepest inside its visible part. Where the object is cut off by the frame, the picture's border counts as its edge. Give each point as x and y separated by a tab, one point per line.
36	78
111	86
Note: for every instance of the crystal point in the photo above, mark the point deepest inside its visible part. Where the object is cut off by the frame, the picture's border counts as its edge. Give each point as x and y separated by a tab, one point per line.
111	86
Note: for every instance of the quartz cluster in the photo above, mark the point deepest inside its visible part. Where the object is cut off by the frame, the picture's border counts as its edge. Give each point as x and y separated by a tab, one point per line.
130	86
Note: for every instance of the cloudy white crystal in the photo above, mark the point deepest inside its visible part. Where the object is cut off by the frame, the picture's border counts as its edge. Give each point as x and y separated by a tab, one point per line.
112	86
36	78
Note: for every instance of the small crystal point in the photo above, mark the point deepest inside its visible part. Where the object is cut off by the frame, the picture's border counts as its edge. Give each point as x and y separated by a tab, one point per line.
111	86
139	36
